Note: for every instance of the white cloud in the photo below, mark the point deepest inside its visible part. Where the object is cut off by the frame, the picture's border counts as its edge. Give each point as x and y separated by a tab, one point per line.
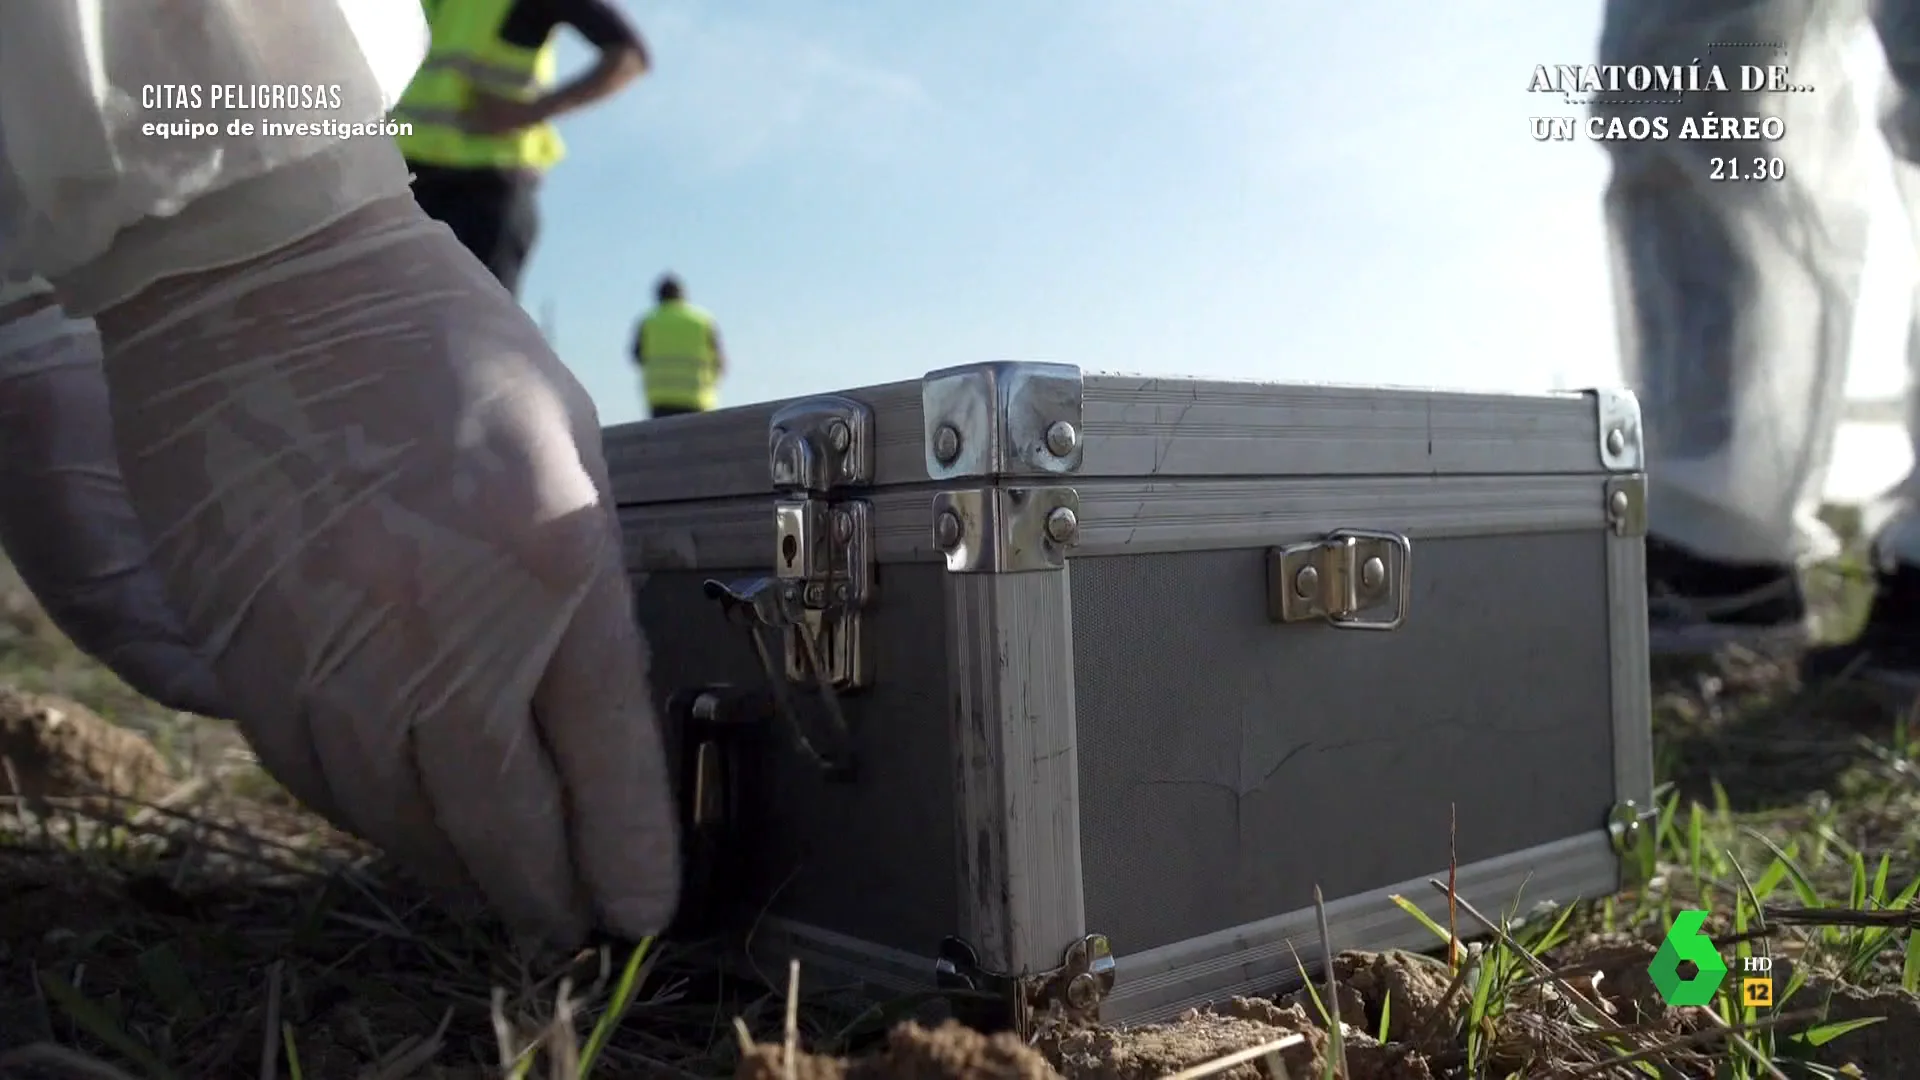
1375	92
729	92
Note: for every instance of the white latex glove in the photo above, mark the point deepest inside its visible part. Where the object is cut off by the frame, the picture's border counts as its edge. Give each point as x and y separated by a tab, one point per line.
380	499
64	516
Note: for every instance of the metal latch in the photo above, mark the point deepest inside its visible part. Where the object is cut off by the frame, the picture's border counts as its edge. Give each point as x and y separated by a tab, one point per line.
1354	579
1073	991
764	605
819	450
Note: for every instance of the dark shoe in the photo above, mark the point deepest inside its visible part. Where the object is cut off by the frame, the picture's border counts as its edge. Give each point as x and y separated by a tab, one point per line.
1697	605
1887	651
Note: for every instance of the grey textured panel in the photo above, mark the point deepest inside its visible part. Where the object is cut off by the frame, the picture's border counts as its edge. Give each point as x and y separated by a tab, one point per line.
1228	764
872	859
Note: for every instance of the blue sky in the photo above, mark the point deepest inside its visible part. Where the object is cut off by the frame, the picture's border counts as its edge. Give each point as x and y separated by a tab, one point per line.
865	190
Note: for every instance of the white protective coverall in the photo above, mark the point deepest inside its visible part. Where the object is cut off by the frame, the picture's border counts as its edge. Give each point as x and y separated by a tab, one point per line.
372	491
1737	297
64	516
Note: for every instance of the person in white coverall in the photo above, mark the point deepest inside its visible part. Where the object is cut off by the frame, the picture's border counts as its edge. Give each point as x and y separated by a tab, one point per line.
65	521
1736	301
375	498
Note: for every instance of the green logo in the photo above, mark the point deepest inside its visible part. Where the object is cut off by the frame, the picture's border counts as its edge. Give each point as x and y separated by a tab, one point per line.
1686	944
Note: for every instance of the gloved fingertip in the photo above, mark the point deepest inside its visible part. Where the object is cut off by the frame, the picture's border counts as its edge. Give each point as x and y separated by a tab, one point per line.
602	938
638	918
539	944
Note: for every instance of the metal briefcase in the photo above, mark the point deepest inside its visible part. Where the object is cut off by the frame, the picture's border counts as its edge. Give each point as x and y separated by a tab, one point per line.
1074	687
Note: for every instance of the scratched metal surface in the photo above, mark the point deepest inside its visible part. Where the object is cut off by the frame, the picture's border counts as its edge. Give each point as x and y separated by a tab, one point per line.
1228	764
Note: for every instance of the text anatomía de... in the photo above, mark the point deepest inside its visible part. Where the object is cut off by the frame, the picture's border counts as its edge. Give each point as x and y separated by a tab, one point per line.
1694	78
240	96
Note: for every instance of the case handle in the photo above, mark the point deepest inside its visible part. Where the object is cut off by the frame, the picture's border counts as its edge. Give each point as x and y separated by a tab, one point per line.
1352	579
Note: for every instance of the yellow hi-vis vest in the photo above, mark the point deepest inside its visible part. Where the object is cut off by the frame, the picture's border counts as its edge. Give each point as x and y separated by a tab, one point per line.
678	364
467	55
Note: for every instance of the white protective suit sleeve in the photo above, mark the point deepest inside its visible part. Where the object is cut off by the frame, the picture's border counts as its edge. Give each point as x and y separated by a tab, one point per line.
64	516
369	485
96	99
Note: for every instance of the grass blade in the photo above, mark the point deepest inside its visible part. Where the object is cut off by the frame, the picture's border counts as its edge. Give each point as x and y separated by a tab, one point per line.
624	991
1421	917
97	1022
293	1052
1826	1033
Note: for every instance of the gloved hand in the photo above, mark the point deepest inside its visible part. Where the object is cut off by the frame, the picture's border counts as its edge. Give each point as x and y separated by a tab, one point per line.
64	516
380	498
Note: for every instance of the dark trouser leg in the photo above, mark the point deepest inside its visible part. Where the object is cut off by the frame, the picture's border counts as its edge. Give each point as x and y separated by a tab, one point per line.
495	216
664	411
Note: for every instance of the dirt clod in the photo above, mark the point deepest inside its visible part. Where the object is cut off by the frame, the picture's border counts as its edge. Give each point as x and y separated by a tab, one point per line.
1407	990
912	1052
1617	971
1158	1050
54	748
1890	1047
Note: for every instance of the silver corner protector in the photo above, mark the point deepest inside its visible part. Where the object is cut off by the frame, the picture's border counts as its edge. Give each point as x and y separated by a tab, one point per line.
1627	822
1003	419
1627	505
1622	442
1006	530
1631	829
1076	988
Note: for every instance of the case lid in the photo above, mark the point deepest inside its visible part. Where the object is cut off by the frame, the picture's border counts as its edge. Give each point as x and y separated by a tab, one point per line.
1034	420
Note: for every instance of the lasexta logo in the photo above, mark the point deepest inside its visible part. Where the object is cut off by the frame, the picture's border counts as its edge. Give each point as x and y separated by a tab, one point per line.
1687	970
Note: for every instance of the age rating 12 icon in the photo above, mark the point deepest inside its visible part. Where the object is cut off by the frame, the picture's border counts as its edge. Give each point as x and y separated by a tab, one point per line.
1756	982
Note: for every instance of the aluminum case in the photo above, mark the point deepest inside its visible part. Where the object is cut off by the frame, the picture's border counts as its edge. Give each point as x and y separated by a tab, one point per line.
1133	664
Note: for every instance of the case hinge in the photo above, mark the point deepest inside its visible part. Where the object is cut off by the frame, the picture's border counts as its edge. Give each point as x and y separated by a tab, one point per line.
1344	579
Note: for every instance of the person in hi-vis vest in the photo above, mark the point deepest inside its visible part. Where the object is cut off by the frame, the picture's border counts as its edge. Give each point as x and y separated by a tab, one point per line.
482	107
679	353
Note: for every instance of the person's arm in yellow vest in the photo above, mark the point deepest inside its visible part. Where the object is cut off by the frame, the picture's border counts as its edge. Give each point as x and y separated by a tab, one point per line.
719	353
623	57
